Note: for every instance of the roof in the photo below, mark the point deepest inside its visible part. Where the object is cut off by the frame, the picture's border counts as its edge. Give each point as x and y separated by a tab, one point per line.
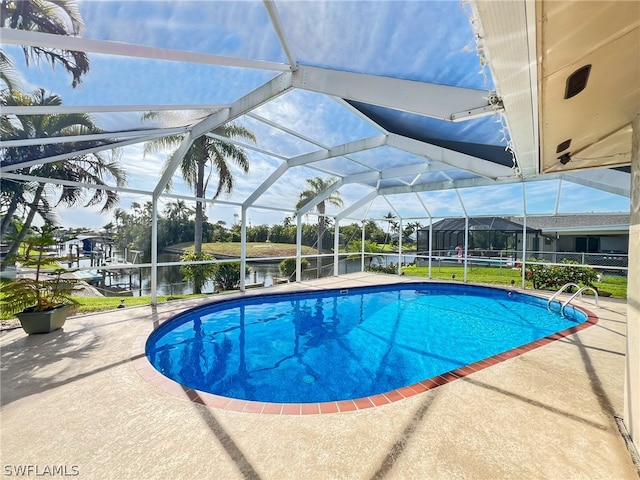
480	224
593	223
424	122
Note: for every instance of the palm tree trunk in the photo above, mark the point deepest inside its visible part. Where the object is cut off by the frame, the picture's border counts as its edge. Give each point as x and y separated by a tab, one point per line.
321	228
197	236
6	221
25	227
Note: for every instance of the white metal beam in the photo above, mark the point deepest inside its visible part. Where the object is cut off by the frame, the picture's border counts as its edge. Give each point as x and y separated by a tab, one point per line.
605	179
354	111
176	158
508	32
53	110
192	198
264	93
142	135
337	151
276	125
455	159
321	197
65	156
273	88
62	42
275	21
246	145
68	183
444	185
275	175
357	205
430	99
390	173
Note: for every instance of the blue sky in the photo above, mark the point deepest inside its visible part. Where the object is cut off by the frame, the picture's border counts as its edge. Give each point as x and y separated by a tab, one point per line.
427	41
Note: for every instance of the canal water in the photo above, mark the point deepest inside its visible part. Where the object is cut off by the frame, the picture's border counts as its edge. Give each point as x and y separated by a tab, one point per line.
137	281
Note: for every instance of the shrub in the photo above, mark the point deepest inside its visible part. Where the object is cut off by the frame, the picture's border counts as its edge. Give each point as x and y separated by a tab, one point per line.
198	273
552	277
288	266
227	275
391	268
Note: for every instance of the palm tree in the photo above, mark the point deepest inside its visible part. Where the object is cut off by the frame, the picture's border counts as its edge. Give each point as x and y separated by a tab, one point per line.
59	17
178	211
392	226
206	152
33	196
410	229
8	74
318	185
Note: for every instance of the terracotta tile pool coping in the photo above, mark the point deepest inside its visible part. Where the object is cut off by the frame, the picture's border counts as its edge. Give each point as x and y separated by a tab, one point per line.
150	374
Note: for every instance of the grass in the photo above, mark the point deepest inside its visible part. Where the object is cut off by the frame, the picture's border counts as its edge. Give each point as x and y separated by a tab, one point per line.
616	286
254	249
98	304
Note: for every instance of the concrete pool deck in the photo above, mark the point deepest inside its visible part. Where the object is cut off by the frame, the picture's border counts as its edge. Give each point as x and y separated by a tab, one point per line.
74	402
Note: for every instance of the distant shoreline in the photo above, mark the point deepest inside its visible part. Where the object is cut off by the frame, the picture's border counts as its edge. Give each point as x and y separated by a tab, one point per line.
232	249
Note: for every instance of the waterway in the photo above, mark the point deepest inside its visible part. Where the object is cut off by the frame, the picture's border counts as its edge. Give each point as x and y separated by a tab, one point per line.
137	281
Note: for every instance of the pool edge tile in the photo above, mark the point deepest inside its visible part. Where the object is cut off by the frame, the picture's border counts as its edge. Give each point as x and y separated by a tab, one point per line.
272	409
291	409
346	406
310	409
329	407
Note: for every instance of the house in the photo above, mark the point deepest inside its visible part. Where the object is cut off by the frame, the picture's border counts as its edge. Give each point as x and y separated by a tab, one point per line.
488	236
589	233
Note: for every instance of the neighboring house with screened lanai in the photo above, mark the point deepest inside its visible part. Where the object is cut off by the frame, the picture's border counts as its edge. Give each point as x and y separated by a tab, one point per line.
589	233
592	239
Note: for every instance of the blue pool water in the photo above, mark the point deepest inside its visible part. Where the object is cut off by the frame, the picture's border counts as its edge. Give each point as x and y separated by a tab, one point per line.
337	345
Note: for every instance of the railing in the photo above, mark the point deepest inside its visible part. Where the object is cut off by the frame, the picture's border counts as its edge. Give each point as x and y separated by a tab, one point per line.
352	262
578	293
562	289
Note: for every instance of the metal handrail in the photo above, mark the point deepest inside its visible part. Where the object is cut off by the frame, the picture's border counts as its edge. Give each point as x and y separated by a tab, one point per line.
564	287
579	292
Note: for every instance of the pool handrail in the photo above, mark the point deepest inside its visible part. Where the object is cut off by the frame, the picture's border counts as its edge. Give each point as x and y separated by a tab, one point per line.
579	292
564	287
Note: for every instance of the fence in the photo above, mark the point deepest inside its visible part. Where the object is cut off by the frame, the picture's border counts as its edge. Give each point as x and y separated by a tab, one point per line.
266	273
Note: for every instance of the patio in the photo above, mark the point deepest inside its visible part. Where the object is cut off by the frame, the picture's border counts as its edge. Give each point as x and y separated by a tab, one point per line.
73	399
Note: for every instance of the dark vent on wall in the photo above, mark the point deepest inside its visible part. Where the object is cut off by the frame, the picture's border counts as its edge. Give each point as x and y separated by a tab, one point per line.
563	146
577	81
565	158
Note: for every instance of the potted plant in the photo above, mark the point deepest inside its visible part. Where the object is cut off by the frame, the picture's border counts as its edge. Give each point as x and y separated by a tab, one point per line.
41	297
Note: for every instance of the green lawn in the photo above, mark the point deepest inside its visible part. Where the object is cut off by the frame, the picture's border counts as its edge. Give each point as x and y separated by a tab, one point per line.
254	249
97	304
616	286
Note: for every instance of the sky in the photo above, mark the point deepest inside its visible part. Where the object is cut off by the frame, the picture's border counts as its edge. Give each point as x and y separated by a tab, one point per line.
430	41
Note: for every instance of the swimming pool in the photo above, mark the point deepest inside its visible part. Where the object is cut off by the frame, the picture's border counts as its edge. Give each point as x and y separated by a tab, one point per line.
334	345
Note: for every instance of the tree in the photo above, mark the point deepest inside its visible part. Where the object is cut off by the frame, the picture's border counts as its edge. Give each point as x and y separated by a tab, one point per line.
351	233
392	226
8	74
318	185
206	152
373	232
59	17
88	169
409	230
258	233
